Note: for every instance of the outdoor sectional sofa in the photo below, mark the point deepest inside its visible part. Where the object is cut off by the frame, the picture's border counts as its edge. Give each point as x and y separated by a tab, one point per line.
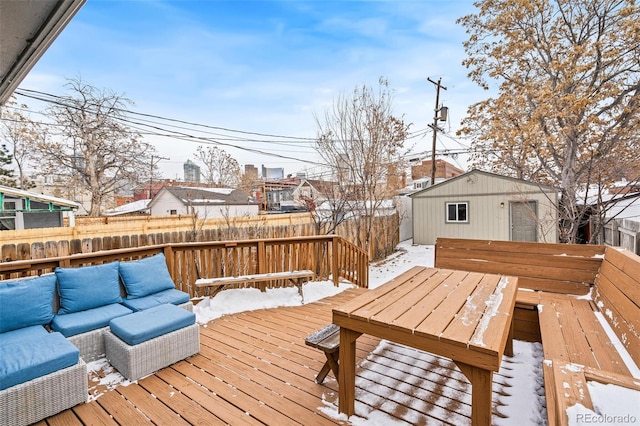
51	325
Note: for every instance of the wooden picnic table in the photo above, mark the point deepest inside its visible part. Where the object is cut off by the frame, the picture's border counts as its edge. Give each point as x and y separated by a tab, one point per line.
464	316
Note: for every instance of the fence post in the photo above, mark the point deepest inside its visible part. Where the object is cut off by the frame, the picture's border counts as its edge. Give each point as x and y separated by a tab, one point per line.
262	256
334	261
169	258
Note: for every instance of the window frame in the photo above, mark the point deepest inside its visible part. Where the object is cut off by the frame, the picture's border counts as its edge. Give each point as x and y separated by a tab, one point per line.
457	204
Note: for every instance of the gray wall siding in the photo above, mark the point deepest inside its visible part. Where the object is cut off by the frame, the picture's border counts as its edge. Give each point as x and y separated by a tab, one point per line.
488	218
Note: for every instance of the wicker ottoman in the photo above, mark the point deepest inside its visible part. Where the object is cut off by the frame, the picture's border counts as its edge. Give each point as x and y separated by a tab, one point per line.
140	359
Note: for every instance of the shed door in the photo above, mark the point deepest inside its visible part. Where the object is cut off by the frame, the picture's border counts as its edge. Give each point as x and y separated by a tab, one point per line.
524	221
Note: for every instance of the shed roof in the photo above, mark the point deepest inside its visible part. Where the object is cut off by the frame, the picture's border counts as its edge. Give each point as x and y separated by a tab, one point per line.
34	196
467	175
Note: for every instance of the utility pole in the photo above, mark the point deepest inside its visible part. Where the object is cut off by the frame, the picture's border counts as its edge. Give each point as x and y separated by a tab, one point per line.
434	126
151	171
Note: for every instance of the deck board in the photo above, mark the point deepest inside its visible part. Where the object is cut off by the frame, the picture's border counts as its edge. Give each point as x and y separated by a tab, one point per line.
254	368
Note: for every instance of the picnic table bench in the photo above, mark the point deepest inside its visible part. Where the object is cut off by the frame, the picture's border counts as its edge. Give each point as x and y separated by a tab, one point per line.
577	293
219	283
327	339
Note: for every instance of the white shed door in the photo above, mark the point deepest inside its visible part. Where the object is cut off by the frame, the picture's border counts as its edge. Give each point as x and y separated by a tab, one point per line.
524	221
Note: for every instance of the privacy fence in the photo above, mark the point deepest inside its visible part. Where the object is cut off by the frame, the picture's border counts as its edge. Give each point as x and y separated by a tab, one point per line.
623	233
90	235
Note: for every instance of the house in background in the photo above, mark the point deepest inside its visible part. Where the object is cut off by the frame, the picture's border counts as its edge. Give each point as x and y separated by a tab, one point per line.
483	205
205	202
21	209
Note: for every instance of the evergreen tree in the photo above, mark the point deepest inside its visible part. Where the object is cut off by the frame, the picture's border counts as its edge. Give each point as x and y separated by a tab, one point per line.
6	172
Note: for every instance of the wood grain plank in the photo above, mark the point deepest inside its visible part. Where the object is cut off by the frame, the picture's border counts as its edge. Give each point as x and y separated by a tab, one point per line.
455	299
466	322
423	309
93	414
372	295
607	356
122	411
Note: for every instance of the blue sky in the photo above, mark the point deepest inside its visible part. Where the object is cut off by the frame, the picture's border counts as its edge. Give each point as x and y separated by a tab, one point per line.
264	66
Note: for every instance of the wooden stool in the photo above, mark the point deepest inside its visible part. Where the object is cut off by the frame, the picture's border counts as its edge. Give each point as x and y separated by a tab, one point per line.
327	339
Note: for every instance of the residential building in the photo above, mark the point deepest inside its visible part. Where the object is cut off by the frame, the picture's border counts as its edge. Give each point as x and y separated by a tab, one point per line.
488	206
444	170
205	202
20	209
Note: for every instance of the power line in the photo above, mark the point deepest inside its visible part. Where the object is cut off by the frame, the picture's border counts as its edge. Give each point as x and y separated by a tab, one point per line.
293	139
150	127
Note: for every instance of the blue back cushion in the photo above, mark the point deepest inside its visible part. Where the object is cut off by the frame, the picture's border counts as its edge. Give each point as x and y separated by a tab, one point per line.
146	276
26	302
88	287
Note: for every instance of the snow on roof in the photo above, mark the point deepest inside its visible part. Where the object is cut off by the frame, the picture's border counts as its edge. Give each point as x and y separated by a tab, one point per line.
223	191
203	196
136	206
626	208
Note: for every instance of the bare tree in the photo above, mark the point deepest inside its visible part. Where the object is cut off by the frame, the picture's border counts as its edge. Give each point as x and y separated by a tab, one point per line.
361	141
568	79
220	168
96	151
331	210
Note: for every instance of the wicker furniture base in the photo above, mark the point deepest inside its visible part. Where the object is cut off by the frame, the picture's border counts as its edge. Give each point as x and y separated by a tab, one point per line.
90	344
187	305
45	396
137	361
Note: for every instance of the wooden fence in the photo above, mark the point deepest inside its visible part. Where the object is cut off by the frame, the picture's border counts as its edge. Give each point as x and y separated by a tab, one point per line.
189	225
107	233
623	233
329	256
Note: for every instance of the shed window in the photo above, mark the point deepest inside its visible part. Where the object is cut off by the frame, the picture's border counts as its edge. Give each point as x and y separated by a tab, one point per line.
8	218
458	212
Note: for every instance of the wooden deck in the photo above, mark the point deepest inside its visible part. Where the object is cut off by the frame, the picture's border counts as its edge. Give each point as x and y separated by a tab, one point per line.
254	368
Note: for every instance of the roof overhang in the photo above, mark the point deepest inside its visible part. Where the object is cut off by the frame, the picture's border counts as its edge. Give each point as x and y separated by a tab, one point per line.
6	191
27	29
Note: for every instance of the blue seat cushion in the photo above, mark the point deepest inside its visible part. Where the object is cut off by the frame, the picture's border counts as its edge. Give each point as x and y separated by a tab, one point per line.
173	296
26	359
153	322
88	287
26	302
92	319
33	332
145	276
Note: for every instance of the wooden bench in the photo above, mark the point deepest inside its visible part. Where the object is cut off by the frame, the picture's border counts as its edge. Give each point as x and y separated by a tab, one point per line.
219	283
327	339
555	268
573	332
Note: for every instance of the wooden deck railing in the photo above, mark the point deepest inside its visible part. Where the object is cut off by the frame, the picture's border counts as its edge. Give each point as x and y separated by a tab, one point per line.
329	256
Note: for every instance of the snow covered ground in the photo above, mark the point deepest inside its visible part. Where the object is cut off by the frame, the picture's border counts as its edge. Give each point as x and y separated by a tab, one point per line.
518	386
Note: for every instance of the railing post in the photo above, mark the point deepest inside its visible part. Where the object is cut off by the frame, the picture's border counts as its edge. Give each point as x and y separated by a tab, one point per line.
262	256
168	255
334	261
